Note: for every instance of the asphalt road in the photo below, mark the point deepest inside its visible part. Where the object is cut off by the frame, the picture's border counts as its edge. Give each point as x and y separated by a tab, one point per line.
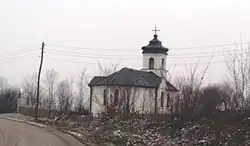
20	134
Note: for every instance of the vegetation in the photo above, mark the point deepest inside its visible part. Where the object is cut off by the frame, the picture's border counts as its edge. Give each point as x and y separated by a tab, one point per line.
215	114
8	100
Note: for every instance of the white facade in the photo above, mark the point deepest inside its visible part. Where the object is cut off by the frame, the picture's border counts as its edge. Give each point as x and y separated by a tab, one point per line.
159	66
142	100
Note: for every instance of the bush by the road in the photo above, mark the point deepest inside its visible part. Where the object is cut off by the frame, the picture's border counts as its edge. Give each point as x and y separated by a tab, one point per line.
8	101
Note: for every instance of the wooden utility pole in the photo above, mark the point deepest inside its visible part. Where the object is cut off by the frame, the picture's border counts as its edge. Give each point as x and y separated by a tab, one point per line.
38	80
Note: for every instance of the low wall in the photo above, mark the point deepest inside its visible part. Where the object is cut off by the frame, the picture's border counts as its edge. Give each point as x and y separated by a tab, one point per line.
29	111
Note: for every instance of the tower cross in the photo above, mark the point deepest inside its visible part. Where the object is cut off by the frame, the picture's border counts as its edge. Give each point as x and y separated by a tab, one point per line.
155	30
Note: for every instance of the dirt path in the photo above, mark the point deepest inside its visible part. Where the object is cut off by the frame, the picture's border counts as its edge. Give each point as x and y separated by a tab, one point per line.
20	134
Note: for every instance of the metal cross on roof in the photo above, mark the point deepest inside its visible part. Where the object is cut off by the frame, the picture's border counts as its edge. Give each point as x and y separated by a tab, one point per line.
155	30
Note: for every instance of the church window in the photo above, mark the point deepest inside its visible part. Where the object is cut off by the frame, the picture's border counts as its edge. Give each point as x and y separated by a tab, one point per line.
162	63
116	96
151	63
104	97
162	99
168	100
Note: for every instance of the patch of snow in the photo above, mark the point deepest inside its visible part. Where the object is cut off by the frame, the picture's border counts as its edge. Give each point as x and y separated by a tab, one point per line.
73	133
202	141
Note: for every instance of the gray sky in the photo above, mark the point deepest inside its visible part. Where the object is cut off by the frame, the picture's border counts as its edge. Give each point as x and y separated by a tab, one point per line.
116	28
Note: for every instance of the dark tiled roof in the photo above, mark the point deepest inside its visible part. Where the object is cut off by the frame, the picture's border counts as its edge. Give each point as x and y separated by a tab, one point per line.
155	46
171	87
128	77
96	79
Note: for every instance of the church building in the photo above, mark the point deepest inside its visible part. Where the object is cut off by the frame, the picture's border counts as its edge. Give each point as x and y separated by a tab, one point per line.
144	91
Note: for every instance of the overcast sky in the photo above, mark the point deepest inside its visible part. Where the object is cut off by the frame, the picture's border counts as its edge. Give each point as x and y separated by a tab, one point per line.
104	30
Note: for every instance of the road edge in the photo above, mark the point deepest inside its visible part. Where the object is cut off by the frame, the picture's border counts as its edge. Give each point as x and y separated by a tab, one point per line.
70	133
26	122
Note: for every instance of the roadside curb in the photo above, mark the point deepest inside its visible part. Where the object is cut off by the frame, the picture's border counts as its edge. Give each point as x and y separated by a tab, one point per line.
26	122
71	133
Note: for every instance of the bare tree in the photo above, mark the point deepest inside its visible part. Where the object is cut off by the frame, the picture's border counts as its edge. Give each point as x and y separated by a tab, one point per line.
107	70
128	99
117	101
105	107
190	91
49	82
81	83
8	100
147	103
29	89
64	95
3	83
238	65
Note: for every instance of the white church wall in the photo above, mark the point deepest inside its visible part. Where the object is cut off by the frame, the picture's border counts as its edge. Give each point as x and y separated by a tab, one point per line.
97	99
141	99
145	101
162	88
157	60
157	63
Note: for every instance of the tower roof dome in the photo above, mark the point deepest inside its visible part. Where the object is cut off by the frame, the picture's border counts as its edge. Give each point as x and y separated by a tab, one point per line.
155	46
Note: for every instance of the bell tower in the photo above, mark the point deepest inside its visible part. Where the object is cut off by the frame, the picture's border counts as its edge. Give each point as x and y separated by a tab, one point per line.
154	56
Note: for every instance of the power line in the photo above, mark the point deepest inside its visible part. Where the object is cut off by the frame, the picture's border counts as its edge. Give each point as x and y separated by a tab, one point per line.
214	62
90	56
179	64
170	55
17	59
13	57
119	57
68	52
205	56
18	52
75	61
222	51
119	49
112	56
174	56
209	46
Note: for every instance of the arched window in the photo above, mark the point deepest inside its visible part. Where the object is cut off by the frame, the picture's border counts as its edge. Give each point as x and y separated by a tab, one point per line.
104	97
162	63
168	100
116	96
151	63
162	99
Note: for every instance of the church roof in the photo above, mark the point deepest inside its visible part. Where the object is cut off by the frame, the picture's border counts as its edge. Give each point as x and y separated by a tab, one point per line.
171	87
155	46
131	77
128	77
96	79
